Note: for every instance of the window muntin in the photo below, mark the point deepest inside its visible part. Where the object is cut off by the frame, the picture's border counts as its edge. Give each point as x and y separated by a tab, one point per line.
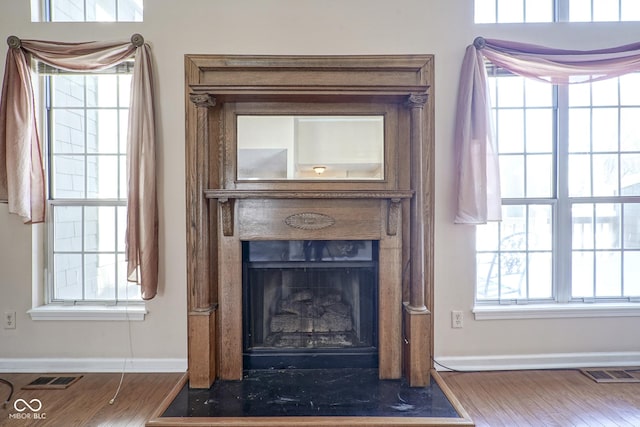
530	255
87	117
512	11
88	10
531	11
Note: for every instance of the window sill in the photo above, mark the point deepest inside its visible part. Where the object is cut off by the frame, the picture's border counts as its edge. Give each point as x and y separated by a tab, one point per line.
555	311
133	312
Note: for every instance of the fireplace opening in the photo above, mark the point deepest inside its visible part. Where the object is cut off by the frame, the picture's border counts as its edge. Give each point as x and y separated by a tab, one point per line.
310	304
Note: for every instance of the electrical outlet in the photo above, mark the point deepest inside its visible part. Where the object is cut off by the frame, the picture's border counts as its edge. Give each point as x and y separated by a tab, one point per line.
456	319
9	319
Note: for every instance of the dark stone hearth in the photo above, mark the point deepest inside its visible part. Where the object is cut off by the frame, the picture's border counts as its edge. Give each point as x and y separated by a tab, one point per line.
312	392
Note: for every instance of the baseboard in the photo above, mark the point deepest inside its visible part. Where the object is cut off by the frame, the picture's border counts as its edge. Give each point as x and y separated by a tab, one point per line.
536	361
41	365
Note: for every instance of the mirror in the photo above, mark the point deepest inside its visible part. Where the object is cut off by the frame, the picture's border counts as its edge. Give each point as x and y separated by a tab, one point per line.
306	147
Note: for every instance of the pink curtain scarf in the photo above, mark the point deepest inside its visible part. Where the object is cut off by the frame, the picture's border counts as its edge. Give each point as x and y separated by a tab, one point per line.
479	198
22	180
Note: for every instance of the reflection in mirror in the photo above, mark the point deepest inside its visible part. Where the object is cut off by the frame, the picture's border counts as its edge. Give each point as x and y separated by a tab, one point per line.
310	147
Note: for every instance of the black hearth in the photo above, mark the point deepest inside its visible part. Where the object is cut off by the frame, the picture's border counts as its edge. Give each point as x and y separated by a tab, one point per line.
310	304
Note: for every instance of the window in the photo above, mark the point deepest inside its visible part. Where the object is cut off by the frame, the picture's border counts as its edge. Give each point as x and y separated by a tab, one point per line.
86	116
87	10
570	177
512	11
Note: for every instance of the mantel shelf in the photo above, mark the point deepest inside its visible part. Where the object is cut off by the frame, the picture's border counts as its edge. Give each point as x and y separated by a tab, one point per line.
306	194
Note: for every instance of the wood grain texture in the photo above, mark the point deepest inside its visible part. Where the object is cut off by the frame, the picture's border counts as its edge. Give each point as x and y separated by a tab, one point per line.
396	86
553	398
86	403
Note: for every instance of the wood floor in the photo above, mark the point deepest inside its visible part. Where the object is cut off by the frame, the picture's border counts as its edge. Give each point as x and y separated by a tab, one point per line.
551	398
520	398
86	403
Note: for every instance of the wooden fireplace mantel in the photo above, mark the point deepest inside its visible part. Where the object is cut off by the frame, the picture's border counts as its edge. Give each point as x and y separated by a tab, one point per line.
396	211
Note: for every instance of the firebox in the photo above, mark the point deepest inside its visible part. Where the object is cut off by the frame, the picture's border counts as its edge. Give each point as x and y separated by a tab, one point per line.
310	304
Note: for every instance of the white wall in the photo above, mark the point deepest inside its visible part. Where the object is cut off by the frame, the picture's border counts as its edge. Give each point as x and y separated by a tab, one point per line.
443	28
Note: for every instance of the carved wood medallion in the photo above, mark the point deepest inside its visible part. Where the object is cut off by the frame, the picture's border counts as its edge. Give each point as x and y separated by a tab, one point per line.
309	221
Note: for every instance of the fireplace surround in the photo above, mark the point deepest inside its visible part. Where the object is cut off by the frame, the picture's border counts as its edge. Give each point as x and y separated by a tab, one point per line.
310	304
227	213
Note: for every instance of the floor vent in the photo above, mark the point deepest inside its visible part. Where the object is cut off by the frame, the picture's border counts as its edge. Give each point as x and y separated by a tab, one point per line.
611	375
51	383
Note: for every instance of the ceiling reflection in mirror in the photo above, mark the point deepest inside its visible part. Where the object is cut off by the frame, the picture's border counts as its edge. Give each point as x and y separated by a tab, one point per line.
305	147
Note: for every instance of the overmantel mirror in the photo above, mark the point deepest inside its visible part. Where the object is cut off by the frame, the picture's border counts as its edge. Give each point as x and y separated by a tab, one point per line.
310	147
310	198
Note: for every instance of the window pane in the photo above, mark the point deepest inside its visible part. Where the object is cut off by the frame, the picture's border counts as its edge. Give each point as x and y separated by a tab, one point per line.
487	237
510	92
579	130
104	131
96	10
538	94
539	130
579	95
513	270
605	175
122	228
608	224
540	237
510	11
632	227
608	277
130	10
630	10
579	175
580	10
539	175
102	179
67	90
68	276
67	10
605	10
539	10
68	177
630	129
68	128
67	234
512	176
510	131
583	226
605	129
582	275
540	275
102	90
630	86
484	11
101	10
100	276
630	171
604	92
631	274
100	228
487	276
124	184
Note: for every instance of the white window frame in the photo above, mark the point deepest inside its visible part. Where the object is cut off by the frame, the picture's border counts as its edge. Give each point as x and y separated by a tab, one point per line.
45	307
41	12
559	12
561	304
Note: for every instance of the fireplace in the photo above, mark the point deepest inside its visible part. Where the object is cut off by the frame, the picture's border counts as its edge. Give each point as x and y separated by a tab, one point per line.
303	252
310	304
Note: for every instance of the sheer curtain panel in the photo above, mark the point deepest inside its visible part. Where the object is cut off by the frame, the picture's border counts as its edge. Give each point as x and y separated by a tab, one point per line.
477	161
22	181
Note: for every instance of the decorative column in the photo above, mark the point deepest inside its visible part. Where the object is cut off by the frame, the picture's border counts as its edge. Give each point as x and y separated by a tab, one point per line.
202	326
417	317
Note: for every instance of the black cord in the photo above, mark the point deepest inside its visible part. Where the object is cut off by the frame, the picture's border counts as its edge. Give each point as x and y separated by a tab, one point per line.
446	367
6	402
